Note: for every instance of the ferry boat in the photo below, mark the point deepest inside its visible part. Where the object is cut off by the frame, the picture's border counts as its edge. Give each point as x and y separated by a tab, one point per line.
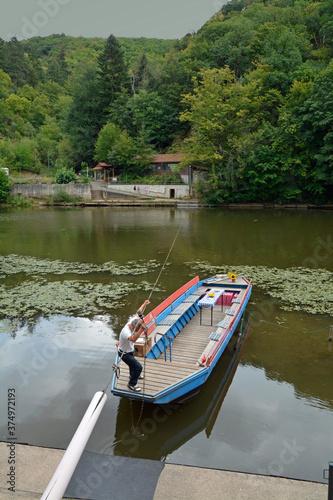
186	336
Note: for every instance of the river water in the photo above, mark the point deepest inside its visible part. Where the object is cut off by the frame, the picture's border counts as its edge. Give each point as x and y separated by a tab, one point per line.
69	279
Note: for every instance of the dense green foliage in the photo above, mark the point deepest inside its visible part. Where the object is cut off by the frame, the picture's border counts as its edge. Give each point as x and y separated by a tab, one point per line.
248	98
4	186
261	108
65	176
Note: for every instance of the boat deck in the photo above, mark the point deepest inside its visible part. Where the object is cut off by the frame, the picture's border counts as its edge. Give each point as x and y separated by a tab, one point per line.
187	347
159	375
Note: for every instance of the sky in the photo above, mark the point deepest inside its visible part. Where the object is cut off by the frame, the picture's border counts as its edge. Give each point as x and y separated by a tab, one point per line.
100	18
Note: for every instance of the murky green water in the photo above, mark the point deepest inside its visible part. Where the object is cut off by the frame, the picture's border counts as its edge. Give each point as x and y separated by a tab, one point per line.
267	411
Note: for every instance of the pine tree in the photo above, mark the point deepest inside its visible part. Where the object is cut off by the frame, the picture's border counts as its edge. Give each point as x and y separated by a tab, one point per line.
17	64
2	53
83	123
112	75
140	77
58	68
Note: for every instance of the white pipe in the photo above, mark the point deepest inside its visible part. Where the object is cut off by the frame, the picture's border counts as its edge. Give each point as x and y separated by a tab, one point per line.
57	486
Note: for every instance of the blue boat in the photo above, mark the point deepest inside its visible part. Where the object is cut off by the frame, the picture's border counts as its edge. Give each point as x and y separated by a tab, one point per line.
187	334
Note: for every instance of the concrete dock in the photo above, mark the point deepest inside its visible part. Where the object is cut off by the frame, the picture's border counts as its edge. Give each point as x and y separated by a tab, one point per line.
100	477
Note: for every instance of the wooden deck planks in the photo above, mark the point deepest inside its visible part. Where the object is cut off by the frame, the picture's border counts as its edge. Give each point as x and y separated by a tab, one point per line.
159	375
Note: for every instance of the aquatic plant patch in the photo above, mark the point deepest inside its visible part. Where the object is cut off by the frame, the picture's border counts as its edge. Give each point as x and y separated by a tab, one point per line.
42	297
16	264
297	288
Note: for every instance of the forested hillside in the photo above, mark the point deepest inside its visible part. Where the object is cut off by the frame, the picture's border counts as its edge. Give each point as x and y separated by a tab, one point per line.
249	98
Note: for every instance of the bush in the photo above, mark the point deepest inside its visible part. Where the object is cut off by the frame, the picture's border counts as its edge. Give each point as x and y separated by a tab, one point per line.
65	176
21	202
63	197
5	186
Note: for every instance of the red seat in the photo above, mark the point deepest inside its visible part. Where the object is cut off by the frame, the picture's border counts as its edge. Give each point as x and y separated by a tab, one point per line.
227	298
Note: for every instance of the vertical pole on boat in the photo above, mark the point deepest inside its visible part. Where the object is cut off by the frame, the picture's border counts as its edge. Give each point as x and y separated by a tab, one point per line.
330	335
330	481
56	488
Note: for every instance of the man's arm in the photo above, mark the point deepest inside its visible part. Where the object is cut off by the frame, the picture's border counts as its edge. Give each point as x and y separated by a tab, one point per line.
134	337
143	306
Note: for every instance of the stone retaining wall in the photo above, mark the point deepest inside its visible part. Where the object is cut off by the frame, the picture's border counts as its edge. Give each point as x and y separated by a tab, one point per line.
177	191
47	190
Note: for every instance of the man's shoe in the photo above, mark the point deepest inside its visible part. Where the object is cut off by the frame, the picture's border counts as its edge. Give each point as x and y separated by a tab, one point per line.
134	388
141	377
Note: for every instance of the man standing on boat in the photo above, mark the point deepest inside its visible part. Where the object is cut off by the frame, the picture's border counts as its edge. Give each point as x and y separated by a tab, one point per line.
128	335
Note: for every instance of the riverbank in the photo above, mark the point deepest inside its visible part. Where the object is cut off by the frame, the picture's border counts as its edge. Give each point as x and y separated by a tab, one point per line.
99	194
186	204
168	204
103	476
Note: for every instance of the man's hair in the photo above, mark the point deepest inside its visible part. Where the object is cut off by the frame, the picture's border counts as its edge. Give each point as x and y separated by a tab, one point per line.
136	323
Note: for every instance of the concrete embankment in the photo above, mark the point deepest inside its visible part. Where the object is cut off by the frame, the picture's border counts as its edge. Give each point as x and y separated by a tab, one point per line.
43	191
121	478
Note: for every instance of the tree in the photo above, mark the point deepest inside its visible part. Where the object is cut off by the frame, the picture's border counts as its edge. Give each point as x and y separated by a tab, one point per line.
17	64
171	83
224	115
318	130
107	138
5	84
48	140
66	152
57	70
40	109
143	153
140	75
15	105
122	152
232	47
283	49
2	53
112	75
151	115
5	185
27	155
83	123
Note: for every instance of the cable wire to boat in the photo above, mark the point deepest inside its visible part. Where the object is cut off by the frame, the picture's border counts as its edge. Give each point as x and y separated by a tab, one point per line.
166	260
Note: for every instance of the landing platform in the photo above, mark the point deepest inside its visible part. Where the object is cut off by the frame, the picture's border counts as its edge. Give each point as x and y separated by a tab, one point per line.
101	477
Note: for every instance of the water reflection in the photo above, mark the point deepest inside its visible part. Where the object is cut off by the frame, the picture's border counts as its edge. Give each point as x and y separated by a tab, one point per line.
56	367
161	431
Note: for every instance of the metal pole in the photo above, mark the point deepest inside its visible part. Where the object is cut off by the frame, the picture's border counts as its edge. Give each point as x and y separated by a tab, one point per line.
190	179
330	335
330	481
56	488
